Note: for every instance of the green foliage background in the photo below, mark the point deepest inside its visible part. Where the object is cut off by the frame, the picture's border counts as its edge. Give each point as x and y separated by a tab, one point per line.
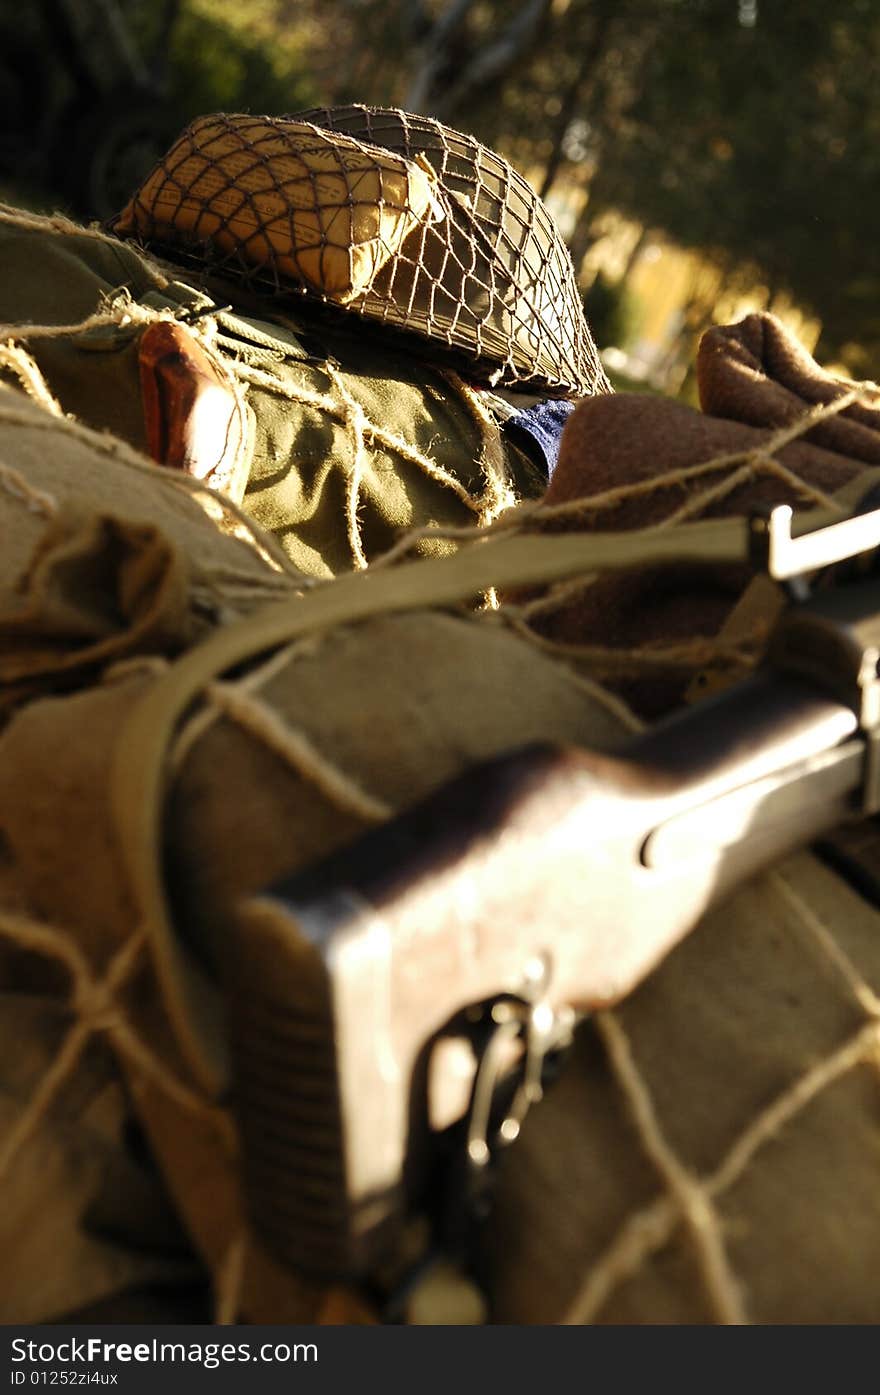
746	129
238	56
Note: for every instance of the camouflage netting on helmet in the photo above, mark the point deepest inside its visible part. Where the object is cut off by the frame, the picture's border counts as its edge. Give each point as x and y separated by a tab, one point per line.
288	198
710	1152
402	220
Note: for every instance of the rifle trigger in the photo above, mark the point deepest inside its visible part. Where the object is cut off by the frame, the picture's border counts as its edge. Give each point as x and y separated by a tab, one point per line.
488	1076
545	1030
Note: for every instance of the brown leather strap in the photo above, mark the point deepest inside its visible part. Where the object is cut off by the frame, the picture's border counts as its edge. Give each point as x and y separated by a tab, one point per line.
193	416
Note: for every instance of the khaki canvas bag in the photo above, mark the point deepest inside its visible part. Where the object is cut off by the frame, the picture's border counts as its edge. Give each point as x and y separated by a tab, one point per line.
185	716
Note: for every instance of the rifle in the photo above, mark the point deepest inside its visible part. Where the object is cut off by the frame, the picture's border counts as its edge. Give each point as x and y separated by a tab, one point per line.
389	992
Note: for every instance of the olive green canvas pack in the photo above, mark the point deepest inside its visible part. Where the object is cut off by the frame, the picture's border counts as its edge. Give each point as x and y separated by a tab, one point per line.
351	440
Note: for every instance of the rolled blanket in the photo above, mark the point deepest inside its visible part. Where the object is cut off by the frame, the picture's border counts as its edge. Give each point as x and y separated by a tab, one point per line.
635	438
757	372
637	461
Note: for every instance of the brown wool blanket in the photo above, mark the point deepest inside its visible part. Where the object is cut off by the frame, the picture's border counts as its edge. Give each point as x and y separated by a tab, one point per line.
757	372
640	461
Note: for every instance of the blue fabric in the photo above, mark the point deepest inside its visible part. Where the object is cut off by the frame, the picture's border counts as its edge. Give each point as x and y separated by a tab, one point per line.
537	431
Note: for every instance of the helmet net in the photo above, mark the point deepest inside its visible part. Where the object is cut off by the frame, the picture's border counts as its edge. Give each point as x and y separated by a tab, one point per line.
395	217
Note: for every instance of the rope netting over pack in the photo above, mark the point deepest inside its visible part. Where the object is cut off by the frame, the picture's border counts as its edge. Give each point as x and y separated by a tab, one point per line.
721	1117
228	720
395	217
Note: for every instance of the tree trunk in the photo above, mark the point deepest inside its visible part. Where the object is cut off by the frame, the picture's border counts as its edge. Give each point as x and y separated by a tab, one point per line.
484	68
435	52
586	68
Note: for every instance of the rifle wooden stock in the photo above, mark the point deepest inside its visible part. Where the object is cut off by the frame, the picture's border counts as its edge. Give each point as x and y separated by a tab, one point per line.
576	870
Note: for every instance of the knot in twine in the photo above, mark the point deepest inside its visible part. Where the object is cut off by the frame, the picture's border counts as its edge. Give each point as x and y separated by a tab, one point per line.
96	1006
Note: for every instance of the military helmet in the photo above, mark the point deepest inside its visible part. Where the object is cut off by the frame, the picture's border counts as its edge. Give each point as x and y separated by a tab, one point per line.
388	215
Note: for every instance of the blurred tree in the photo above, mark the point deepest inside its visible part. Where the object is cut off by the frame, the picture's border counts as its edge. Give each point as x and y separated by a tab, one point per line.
92	91
233	56
613	311
470	50
748	129
754	135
